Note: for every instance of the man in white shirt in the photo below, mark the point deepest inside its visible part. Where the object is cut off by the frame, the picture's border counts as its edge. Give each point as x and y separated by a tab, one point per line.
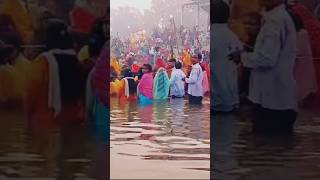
272	85
195	89
224	86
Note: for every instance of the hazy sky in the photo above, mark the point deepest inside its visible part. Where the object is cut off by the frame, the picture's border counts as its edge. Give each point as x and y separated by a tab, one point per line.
140	4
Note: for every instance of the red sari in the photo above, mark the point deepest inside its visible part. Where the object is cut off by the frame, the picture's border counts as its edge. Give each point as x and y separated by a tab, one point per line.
312	25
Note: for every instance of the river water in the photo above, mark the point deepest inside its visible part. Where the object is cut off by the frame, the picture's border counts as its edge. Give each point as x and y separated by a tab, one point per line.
239	154
164	141
46	152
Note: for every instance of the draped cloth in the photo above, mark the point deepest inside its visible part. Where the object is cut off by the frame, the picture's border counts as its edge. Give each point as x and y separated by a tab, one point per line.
81	20
99	78
18	12
312	25
161	85
145	86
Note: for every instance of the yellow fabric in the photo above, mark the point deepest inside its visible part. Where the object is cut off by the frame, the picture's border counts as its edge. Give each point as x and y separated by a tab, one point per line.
24	75
19	14
116	87
84	54
239	9
186	59
115	65
7	83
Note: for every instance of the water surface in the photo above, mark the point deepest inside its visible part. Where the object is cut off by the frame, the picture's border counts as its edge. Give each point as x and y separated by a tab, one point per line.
165	140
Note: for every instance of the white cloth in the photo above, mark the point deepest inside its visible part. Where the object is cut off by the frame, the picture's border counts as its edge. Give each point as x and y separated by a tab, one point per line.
54	94
177	83
195	81
224	74
126	86
272	83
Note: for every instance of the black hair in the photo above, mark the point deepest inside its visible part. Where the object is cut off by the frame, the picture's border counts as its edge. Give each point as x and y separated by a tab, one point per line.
220	12
148	66
298	23
178	65
57	35
199	56
172	60
127	73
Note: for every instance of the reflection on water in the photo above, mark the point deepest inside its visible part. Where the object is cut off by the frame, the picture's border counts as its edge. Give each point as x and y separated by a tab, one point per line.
241	155
44	152
164	140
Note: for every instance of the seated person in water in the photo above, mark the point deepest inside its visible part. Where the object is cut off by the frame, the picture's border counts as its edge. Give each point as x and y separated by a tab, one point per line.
145	86
128	88
177	85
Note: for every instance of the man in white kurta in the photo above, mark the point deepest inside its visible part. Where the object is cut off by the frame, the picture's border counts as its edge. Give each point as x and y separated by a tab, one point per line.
176	82
225	96
195	89
272	85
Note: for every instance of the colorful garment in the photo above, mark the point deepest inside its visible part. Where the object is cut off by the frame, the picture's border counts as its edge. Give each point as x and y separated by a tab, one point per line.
145	86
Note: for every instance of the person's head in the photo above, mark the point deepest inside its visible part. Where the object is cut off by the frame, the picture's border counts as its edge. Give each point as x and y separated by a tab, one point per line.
127	73
291	2
195	59
220	12
299	25
172	62
178	65
146	68
270	4
57	35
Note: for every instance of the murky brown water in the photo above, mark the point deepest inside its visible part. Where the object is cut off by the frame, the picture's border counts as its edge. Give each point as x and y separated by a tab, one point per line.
48	153
165	140
239	154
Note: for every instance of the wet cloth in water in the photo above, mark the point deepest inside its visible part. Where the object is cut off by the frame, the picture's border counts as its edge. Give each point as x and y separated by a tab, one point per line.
161	85
177	84
145	86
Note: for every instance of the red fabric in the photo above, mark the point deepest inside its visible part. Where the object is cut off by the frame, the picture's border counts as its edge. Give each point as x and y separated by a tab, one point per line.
100	81
312	25
160	63
82	20
135	68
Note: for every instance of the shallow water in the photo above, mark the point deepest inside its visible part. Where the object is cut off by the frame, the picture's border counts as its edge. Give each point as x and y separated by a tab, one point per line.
45	152
164	140
239	154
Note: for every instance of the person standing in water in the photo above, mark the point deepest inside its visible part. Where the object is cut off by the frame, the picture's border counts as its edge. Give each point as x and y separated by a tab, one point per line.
176	82
272	83
145	87
194	81
224	76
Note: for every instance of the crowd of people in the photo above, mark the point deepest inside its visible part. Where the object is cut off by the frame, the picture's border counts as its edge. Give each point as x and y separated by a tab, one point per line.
53	69
275	70
159	66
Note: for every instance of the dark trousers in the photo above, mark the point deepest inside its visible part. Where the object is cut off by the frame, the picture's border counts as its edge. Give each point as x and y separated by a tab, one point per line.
175	97
195	99
273	121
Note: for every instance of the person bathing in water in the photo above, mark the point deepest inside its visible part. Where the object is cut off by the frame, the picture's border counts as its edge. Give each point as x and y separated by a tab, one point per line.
177	89
195	89
145	86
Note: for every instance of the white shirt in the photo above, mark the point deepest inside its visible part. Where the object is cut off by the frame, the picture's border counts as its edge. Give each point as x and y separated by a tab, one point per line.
224	73
272	83
176	83
195	81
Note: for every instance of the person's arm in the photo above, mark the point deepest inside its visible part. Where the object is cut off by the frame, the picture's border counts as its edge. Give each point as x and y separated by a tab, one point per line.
193	76
172	78
265	54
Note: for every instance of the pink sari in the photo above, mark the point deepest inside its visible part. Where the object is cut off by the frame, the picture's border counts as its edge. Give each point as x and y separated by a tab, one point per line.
145	86
304	70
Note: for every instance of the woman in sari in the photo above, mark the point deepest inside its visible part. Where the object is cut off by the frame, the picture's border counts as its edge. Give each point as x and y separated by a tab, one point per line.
58	92
145	86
